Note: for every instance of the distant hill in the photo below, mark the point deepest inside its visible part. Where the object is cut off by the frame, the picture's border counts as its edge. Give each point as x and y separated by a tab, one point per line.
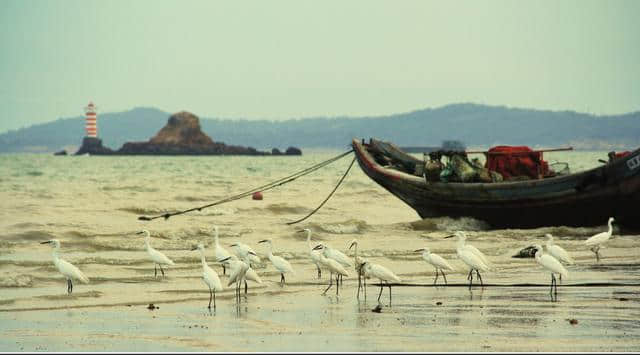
472	124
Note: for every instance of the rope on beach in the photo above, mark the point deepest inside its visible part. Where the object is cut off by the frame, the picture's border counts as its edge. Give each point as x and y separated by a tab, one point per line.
326	199
265	187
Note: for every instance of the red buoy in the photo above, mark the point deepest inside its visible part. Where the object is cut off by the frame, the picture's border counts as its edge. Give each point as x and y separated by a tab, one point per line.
257	195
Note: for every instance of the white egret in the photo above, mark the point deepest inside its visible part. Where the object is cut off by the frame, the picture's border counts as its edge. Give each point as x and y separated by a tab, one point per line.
220	252
209	276
358	261
332	265
550	264
558	252
67	269
470	257
237	272
437	261
315	254
597	240
462	237
278	262
336	255
243	251
157	257
385	275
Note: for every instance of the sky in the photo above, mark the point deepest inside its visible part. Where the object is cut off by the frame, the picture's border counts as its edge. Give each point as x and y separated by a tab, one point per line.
284	59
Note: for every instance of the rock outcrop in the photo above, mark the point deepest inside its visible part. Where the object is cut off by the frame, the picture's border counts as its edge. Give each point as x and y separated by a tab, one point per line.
181	136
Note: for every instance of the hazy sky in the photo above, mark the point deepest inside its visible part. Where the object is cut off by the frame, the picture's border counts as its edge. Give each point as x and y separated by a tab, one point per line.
296	59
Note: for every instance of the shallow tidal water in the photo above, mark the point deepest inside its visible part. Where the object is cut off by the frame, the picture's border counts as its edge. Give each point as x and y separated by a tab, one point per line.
92	205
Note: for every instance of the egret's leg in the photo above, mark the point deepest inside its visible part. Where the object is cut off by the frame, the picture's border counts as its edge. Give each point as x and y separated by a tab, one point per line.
68	286
380	294
319	272
210	296
161	269
551	289
245	287
555	285
359	283
388	284
480	277
281	280
445	278
436	279
598	253
224	269
470	278
155	270
330	283
337	288
364	282
214	300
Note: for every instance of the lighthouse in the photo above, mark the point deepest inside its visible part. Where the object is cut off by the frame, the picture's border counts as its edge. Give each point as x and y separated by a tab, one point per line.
91	118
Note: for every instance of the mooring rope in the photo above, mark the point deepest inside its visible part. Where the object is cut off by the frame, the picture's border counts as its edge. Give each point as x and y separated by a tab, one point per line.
326	199
265	187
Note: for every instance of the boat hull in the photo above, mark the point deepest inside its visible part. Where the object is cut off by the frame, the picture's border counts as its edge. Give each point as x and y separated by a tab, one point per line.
587	198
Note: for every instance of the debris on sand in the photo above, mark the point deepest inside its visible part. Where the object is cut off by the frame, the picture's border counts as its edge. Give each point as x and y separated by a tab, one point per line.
573	321
152	307
438	303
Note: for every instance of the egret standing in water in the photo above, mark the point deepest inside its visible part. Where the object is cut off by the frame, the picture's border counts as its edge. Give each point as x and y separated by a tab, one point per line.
220	252
338	256
550	264
315	254
278	262
558	252
437	261
237	272
358	261
67	269
209	276
385	275
597	240
471	256
332	265
157	257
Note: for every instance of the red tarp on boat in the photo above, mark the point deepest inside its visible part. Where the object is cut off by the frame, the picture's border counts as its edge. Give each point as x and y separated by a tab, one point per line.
512	161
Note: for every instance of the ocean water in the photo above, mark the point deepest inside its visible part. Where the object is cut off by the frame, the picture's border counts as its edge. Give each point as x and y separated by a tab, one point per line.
92	204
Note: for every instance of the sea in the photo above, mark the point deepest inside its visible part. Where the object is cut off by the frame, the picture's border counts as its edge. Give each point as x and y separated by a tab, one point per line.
92	205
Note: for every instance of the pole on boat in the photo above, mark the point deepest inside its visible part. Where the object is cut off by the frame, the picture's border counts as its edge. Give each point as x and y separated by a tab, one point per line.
521	152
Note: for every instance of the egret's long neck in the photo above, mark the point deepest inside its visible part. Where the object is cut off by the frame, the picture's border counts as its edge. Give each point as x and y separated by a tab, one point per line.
309	240
55	254
204	262
146	243
610	228
270	253
355	257
461	242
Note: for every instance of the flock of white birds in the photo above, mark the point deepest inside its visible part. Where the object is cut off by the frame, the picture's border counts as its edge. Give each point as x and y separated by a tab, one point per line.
323	256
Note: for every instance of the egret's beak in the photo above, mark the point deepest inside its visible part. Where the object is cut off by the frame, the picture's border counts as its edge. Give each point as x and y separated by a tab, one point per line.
417	250
225	259
450	236
233	245
361	265
317	247
263	241
352	244
47	242
300	231
194	248
252	253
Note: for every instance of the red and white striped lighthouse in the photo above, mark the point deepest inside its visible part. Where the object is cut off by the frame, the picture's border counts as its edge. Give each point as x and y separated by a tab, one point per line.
91	118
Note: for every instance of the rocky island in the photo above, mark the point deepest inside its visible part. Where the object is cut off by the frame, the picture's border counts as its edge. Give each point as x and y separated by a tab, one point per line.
181	135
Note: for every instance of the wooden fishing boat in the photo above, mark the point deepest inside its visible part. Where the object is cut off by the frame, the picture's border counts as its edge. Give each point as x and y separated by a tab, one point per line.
586	198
